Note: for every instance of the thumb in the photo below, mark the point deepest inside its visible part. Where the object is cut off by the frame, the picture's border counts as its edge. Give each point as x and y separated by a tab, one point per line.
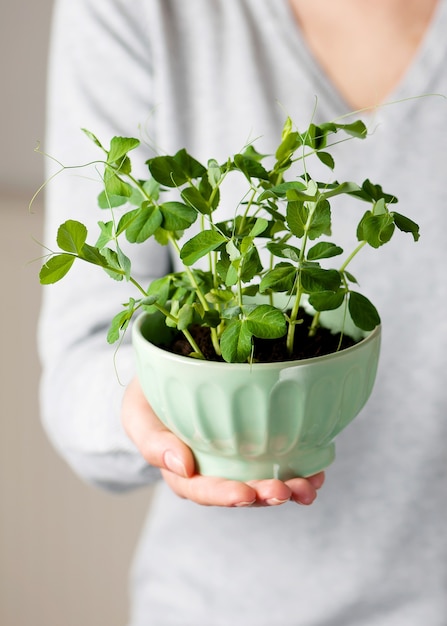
156	443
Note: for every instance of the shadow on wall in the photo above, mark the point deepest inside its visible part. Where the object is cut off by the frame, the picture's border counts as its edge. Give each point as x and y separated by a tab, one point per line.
65	548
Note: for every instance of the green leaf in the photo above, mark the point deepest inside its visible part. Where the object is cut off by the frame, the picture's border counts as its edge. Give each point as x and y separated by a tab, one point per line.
214	173
200	245
107	234
297	216
250	290
159	291
91	254
219	296
350	277
320	220
231	277
177	216
406	225
291	141
316	136
210	318
106	201
124	262
193	197
71	236
251	152
375	229
113	268
372	193
266	322
120	322
251	265
143	224
185	317
327	300
120	146
222	266
364	314
190	166
235	343
259	227
174	171
251	168
55	268
152	189
231	312
323	250
233	251
375	192
162	236
284	251
167	171
93	138
281	278
355	129
317	279
338	189
309	194
114	185
280	191
327	159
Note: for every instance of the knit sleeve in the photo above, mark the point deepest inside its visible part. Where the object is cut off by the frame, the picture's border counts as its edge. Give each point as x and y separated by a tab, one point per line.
100	78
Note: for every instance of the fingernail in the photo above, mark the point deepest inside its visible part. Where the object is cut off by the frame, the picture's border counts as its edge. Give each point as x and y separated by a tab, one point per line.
240	504
305	501
276	501
174	464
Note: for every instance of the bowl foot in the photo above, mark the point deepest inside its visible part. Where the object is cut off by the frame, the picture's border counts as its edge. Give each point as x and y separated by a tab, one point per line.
302	463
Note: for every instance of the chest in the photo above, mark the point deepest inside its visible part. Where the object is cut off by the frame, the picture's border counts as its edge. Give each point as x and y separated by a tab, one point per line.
365	48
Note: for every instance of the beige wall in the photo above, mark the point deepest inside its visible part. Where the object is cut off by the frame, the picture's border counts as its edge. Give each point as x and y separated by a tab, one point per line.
24	27
65	548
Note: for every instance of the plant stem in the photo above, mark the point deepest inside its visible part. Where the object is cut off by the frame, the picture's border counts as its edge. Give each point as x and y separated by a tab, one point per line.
193	343
136	283
299	292
292	322
352	255
315	324
185	331
203	302
247	209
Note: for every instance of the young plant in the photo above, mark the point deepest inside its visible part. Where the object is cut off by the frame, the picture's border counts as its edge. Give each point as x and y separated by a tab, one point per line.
222	261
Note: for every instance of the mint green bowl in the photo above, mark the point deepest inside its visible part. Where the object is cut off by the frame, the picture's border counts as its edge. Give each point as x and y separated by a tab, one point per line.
267	420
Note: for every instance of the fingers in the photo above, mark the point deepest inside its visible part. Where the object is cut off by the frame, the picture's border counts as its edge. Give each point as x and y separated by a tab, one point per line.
158	445
304	490
208	490
211	491
270	492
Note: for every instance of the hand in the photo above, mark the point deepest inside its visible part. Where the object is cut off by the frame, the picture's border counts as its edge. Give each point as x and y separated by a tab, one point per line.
161	448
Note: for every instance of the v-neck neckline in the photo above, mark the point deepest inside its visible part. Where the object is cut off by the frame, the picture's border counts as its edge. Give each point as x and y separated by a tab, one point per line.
414	82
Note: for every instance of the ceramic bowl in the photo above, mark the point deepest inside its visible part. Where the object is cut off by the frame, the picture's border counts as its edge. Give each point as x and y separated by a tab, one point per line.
264	420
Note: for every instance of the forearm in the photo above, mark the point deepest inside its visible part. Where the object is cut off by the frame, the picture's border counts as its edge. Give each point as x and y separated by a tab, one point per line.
81	392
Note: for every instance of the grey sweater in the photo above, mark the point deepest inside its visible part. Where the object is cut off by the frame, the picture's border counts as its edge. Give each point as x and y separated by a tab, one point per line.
210	75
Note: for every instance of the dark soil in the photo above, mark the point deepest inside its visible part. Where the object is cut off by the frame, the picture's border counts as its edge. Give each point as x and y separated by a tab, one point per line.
271	350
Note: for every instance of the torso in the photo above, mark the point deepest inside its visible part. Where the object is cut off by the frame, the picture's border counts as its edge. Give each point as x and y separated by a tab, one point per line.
364	47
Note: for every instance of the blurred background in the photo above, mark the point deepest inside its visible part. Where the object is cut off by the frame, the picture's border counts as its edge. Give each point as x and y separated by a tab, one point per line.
65	548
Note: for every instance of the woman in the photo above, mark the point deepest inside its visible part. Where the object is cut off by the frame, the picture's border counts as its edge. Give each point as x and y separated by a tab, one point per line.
210	75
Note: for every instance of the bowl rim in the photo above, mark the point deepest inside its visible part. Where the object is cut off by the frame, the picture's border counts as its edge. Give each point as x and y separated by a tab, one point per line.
138	339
